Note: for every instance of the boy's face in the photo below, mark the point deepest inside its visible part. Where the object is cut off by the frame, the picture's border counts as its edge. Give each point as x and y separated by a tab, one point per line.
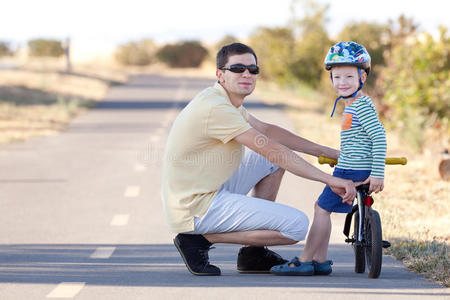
346	79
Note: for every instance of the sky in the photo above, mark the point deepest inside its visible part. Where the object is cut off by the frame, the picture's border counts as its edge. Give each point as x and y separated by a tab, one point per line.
99	25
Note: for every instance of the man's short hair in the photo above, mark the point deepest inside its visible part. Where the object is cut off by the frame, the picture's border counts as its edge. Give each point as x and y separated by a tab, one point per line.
232	49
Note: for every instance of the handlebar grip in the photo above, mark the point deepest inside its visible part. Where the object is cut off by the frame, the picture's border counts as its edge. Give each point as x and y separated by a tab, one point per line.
396	160
327	160
389	160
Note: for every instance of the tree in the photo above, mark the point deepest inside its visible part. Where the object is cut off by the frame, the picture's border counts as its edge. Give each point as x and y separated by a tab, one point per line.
5	49
45	48
313	41
400	31
373	36
275	50
227	39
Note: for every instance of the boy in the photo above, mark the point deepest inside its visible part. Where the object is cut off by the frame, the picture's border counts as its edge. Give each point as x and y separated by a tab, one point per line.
362	157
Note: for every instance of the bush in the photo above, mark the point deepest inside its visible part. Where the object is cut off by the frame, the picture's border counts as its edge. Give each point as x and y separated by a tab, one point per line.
45	48
416	81
183	55
5	50
136	53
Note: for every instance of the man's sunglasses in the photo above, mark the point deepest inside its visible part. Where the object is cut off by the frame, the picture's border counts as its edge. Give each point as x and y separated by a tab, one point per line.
240	68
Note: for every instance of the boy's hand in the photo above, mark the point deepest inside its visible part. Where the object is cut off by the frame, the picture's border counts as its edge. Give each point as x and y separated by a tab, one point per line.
376	184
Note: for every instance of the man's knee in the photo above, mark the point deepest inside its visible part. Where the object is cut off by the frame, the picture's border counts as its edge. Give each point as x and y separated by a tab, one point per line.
278	173
267	188
274	177
298	227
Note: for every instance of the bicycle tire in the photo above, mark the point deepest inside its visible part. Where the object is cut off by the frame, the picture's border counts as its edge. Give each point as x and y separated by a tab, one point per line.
360	260
374	248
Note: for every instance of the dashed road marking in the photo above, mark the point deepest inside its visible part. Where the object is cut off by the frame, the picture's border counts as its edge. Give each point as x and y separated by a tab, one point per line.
132	191
103	252
155	138
120	220
140	167
66	290
162	130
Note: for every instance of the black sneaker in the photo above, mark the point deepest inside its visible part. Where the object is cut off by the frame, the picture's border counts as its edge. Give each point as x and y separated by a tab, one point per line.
194	251
257	260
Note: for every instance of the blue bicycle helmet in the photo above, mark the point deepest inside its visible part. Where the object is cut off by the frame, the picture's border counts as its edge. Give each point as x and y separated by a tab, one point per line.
348	54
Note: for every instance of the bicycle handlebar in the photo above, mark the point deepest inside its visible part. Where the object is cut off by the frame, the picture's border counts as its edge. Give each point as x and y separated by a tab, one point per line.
389	160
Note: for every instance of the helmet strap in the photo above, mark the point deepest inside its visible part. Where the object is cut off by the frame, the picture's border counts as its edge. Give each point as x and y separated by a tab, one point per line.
335	102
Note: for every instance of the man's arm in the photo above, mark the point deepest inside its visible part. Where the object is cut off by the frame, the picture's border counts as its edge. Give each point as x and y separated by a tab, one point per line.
291	140
285	158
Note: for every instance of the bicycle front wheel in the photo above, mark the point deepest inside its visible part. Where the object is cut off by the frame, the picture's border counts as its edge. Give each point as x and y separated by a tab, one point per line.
374	243
360	263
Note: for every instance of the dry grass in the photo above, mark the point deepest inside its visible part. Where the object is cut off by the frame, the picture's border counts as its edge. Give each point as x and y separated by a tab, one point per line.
40	99
414	206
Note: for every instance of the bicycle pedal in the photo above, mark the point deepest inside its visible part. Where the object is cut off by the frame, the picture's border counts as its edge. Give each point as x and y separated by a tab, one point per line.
350	240
386	244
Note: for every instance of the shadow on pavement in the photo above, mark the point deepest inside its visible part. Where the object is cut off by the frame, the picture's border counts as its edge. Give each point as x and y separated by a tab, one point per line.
25	96
154	104
161	265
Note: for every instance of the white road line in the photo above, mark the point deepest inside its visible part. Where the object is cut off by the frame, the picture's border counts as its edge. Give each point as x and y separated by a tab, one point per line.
66	290
132	191
120	220
155	138
162	130
139	168
103	252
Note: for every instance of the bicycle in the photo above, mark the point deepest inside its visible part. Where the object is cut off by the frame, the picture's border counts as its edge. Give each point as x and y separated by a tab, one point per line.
366	240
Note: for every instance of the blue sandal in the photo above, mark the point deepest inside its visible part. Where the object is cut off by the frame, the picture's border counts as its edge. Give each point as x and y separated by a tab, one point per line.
323	268
299	268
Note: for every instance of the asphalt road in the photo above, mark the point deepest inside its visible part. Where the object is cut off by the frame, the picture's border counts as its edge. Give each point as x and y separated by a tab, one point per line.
82	216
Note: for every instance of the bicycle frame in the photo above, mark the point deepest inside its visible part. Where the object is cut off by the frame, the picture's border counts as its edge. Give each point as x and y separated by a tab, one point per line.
362	214
361	207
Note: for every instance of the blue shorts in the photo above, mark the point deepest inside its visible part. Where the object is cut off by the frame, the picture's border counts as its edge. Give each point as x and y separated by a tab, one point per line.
332	202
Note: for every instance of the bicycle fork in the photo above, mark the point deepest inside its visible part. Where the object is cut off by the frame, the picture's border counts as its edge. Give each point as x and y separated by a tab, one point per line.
361	214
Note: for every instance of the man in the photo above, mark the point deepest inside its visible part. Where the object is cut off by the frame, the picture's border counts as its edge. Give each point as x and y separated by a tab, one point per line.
207	175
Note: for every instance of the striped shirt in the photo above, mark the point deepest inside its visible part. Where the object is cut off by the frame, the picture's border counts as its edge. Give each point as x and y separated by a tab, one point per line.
363	138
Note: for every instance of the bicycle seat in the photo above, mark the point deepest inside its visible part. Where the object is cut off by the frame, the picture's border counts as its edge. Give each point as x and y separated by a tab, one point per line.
363	188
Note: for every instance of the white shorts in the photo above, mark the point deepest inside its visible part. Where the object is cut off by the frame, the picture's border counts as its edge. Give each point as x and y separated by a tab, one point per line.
232	210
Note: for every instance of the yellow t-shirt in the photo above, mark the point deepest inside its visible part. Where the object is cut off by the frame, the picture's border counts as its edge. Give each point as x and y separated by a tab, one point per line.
200	155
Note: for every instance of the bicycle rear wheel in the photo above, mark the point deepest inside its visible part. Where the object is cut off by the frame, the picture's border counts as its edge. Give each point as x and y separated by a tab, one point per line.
360	262
374	245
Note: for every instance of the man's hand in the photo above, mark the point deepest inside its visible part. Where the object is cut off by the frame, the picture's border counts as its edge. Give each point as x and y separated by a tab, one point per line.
335	154
376	184
344	188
